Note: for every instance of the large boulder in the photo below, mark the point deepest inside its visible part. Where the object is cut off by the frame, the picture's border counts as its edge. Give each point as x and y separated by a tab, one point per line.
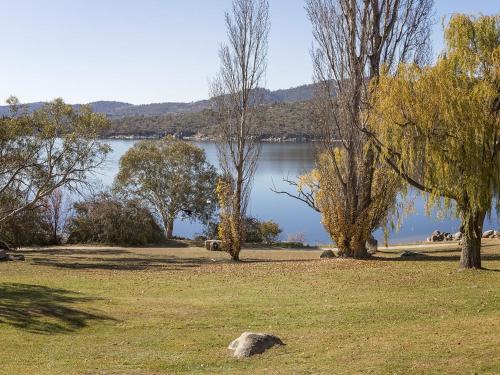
488	233
4	257
249	344
457	236
327	254
496	234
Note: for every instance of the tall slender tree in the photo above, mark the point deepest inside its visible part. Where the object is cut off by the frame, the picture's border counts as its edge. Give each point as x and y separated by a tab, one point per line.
236	97
353	40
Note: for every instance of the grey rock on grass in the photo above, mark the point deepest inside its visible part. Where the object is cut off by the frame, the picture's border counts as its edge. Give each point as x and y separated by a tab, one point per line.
488	233
249	344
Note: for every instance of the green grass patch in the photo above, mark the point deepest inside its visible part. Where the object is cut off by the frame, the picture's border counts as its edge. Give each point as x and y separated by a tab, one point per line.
98	310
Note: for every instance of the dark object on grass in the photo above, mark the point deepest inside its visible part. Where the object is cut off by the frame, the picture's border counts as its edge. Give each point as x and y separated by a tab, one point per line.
4	256
327	254
249	344
213	245
411	254
18	257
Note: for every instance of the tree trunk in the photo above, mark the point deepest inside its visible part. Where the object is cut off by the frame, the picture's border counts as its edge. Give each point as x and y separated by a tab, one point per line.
472	222
169	229
235	254
236	230
353	248
359	250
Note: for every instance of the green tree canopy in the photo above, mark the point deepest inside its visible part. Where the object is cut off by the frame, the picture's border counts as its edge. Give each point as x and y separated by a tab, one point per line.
439	128
55	146
172	177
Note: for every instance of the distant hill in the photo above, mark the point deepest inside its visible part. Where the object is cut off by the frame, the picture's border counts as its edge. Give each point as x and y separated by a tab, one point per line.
120	110
285	117
279	122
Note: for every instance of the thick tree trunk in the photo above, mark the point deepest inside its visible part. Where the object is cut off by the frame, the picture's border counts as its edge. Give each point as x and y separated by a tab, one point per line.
359	250
353	248
471	239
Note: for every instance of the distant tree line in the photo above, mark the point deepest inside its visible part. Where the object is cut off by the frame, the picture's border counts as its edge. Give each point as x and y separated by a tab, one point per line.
280	120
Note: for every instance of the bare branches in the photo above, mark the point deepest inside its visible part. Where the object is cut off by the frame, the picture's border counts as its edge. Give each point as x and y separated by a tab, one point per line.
305	194
354	39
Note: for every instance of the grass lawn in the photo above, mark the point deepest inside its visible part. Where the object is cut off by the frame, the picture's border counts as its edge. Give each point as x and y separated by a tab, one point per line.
97	310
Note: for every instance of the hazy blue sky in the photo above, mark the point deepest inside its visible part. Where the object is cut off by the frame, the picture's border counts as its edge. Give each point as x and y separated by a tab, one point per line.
147	51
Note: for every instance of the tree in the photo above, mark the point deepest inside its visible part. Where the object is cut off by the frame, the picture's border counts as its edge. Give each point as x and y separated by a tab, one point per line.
172	176
236	97
270	231
353	39
438	127
56	146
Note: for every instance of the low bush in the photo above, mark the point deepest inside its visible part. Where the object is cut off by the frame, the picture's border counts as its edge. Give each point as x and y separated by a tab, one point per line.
107	219
27	228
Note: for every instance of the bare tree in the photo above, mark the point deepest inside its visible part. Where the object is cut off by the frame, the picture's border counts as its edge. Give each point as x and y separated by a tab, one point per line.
353	40
236	96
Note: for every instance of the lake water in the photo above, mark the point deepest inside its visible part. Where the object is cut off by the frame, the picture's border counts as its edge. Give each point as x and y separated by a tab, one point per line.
279	160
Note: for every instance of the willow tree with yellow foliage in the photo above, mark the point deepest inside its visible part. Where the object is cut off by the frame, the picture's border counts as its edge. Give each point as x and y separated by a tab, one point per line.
438	127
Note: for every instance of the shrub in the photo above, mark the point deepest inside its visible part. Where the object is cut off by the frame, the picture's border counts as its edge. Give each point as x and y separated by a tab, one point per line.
252	230
25	228
107	219
269	231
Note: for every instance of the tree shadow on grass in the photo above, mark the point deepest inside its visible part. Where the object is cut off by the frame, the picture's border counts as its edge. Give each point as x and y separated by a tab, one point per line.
167	263
140	263
71	251
43	310
429	257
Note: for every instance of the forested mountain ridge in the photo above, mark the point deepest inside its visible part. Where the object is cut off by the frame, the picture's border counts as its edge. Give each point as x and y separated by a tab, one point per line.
114	109
280	122
284	117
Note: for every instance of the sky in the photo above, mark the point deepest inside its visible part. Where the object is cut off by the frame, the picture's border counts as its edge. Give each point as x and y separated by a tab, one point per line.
149	51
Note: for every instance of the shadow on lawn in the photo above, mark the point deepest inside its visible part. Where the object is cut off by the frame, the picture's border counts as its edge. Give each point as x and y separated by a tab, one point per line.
70	251
431	257
167	263
139	263
44	310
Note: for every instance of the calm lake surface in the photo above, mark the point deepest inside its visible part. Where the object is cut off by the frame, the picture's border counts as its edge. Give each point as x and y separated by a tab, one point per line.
279	160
